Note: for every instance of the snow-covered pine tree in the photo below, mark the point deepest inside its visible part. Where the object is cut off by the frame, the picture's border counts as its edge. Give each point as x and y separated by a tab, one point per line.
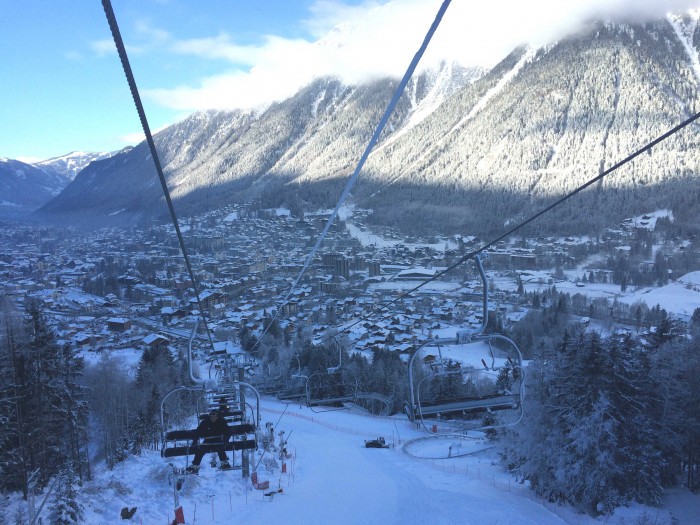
44	419
112	402
528	449
73	409
145	429
587	437
12	472
676	375
65	508
613	452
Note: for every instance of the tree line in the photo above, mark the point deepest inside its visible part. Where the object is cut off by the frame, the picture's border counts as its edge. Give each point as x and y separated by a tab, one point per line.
59	416
609	419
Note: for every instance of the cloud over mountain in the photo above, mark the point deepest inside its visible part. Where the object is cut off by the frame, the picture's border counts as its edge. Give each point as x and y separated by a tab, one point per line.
370	40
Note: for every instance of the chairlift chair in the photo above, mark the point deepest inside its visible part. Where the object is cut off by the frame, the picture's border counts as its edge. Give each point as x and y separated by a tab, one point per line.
295	386
230	400
327	390
417	410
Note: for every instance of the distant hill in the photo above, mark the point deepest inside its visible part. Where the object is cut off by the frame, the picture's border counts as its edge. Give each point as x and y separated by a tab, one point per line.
24	188
465	151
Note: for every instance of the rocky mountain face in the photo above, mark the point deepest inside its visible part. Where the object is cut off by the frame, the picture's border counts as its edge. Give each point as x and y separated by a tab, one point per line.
544	122
218	158
465	151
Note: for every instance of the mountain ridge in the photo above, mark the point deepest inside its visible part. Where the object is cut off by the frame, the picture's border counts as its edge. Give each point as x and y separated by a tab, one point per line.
510	141
69	165
25	188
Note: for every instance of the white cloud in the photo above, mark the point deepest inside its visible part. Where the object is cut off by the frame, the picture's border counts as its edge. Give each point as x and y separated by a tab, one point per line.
218	47
327	14
148	36
73	55
107	47
154	35
375	39
236	90
103	47
131	139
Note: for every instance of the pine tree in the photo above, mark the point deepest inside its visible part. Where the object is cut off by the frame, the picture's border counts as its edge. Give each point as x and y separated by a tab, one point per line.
632	392
46	422
504	381
587	437
74	409
527	447
113	402
676	373
13	470
66	508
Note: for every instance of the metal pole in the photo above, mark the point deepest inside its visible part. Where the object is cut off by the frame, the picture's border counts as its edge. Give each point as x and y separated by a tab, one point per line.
31	485
48	493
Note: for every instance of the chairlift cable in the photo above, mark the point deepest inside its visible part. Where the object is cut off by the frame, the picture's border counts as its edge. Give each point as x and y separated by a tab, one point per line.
144	122
372	142
527	221
114	27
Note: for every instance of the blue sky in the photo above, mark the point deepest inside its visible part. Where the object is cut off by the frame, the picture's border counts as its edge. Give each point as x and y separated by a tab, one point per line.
63	88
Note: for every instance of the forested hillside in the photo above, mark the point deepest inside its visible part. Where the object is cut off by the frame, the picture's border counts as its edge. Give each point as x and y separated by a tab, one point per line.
464	151
568	113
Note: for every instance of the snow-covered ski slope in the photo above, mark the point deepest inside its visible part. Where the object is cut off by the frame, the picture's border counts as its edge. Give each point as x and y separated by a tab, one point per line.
333	479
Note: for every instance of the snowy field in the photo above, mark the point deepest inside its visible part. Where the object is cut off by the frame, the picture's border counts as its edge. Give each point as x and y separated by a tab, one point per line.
333	479
679	298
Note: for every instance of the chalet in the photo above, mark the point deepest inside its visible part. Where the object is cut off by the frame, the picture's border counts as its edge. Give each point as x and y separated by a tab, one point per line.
156	341
82	341
128	280
118	324
227	348
404	348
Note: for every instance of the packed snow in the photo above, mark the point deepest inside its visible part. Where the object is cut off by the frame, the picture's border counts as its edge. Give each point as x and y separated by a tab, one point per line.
332	478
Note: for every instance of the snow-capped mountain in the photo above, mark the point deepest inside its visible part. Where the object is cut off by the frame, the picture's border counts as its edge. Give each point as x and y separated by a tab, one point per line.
68	166
465	150
24	188
222	157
